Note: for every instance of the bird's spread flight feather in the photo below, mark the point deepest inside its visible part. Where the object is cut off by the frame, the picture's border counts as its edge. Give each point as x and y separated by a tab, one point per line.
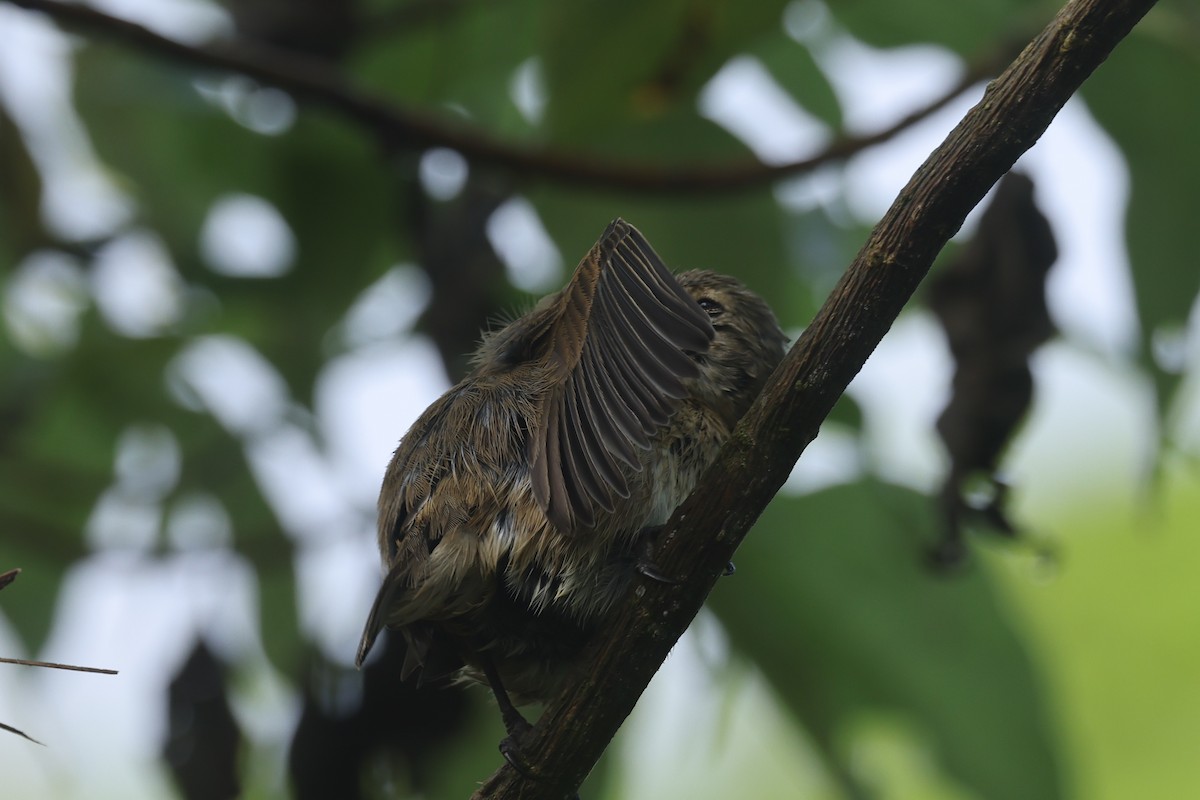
621	342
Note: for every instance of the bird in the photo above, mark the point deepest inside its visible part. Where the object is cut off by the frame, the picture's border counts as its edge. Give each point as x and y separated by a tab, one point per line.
519	507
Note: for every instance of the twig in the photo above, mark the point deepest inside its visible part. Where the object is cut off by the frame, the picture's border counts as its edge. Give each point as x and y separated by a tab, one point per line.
406	128
53	665
703	533
7	577
19	732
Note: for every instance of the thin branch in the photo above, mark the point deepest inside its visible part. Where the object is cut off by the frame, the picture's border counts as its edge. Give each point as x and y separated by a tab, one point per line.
19	732
52	665
704	532
7	577
405	128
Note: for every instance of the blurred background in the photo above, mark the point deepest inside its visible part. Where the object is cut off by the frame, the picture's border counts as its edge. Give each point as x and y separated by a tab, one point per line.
223	304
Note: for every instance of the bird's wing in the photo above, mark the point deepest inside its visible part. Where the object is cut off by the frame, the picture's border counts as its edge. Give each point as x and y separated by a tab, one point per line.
422	650
621	341
413	490
377	618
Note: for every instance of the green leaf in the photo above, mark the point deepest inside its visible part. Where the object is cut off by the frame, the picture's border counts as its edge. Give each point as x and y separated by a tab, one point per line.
278	618
607	61
172	150
214	463
834	605
179	154
338	203
21	227
741	234
29	603
1157	139
57	457
597	55
847	413
793	67
465	58
968	28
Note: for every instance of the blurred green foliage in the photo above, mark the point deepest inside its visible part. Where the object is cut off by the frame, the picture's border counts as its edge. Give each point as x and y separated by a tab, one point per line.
831	602
845	619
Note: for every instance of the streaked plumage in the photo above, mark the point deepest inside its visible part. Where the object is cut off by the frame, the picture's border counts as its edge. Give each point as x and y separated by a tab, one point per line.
513	512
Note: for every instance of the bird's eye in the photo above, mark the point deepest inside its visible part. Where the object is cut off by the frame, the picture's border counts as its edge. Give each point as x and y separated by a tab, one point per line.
711	307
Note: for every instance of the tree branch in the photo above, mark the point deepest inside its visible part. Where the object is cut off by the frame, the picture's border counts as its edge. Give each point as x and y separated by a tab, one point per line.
23	662
315	83
704	532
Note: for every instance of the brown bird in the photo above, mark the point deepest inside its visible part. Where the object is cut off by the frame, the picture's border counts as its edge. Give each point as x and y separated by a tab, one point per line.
519	506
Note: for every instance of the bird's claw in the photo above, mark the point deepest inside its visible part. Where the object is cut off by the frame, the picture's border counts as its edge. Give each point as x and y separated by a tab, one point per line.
516	757
651	571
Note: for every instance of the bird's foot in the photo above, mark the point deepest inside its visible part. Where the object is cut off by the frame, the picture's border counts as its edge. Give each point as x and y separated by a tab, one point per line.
651	571
516	758
646	565
510	748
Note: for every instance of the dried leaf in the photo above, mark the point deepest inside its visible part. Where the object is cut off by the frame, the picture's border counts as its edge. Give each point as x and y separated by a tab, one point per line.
203	737
991	302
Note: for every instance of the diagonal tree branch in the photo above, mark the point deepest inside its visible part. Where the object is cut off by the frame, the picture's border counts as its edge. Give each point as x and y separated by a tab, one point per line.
314	82
704	532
